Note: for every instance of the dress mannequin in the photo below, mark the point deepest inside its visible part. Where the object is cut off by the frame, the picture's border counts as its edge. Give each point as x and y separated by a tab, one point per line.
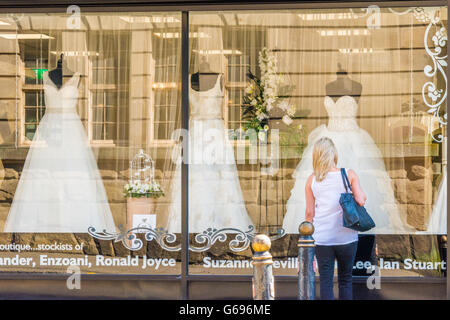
357	151
215	197
343	86
56	75
204	79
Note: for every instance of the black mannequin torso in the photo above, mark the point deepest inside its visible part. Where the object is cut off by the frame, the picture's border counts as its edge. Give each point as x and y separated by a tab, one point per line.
56	75
204	79
343	86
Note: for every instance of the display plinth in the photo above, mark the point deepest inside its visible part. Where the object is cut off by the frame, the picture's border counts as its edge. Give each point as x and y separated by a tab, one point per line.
141	213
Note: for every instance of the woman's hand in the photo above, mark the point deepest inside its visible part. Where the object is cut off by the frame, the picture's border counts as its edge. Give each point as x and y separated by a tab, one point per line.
360	200
358	193
310	201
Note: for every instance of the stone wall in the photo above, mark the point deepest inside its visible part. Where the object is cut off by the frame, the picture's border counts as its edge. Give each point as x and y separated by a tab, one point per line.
414	193
265	196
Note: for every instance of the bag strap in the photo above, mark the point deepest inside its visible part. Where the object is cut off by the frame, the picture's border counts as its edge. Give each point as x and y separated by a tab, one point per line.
345	180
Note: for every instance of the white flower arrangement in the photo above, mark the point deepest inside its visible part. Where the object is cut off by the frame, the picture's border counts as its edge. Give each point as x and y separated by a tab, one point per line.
287	120
140	190
262	95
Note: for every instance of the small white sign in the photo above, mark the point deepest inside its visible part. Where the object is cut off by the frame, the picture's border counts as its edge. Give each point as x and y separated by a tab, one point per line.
144	221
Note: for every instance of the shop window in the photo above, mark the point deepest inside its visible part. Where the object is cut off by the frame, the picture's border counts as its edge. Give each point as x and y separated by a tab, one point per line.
129	105
120	82
303	55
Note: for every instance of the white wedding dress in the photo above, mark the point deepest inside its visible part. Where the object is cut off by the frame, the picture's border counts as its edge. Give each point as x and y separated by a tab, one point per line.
356	150
215	196
60	188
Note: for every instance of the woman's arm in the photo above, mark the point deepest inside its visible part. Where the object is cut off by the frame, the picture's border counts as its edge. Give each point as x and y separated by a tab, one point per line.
358	193
310	200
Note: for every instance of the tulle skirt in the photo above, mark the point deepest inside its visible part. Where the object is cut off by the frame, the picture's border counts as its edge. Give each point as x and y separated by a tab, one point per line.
60	188
356	150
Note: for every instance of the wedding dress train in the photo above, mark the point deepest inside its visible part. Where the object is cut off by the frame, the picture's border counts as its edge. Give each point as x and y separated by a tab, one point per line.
60	188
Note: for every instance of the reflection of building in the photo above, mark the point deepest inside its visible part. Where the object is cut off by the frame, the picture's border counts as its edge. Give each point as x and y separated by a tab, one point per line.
413	179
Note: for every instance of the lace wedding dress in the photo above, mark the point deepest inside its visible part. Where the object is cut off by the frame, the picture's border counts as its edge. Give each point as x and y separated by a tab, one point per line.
215	196
60	188
357	151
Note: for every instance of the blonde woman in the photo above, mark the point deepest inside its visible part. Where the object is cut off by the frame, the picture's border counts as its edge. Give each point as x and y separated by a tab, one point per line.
333	241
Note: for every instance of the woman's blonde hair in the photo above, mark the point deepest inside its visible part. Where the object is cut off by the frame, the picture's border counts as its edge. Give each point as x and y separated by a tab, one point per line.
324	156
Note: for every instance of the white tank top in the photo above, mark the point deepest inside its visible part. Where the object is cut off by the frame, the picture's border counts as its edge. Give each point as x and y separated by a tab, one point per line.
328	227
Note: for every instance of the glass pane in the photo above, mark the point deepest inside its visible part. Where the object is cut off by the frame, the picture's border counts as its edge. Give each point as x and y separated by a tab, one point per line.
111	99
78	168
40	98
161	114
97	63
98	76
31	64
162	131
98	98
98	132
109	62
30	79
170	111
30	115
110	76
110	133
111	114
291	78
30	129
31	98
98	114
41	112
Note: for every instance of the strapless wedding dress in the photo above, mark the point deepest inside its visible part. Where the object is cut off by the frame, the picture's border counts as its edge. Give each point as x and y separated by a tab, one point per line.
357	151
215	196
60	188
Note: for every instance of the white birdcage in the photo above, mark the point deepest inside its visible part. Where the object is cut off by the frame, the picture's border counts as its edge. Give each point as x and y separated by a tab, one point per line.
142	169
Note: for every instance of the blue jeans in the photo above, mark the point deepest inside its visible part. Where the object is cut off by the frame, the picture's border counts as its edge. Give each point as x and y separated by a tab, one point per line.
345	255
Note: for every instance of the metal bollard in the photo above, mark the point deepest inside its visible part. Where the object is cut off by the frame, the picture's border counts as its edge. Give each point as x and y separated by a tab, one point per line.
306	276
263	282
